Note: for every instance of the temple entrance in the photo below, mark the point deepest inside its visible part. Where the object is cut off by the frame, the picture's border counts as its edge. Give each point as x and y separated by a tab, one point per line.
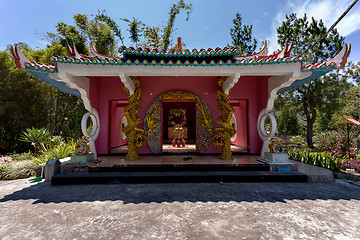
169	110
179	126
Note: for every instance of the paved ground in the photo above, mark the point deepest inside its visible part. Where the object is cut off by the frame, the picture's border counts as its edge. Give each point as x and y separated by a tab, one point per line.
180	211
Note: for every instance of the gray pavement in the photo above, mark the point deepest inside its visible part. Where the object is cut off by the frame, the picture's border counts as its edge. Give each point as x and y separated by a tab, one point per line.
180	211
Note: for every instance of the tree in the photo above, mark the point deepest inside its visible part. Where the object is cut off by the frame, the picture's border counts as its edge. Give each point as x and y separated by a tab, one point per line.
241	36
101	29
350	101
135	29
169	28
157	37
26	102
304	34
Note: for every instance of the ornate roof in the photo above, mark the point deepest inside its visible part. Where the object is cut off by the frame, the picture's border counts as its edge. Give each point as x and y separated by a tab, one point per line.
195	58
226	51
205	58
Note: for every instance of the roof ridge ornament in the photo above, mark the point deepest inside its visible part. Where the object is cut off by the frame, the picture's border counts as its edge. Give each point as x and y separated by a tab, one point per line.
263	51
94	53
286	51
19	57
72	50
341	58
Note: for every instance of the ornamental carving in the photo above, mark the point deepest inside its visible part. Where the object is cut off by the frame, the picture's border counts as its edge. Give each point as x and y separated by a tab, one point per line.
204	123
222	135
135	135
178	95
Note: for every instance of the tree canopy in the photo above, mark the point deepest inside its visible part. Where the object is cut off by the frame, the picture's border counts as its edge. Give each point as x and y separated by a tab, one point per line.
311	98
241	36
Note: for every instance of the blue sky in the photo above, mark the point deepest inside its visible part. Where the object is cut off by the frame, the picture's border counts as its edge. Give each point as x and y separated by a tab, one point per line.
209	24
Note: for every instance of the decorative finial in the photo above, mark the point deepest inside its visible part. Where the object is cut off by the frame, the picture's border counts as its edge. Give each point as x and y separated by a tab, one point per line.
179	44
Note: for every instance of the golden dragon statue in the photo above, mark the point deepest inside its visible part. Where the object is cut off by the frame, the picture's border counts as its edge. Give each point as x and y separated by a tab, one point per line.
135	135
225	131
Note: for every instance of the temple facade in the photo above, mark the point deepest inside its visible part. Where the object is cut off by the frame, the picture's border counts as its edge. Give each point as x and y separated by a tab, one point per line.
151	101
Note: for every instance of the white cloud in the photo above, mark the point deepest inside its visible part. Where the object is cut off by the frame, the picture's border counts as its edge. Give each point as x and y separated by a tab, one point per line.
327	10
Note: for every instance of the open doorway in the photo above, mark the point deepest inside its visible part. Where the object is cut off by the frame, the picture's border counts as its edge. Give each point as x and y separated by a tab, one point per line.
179	126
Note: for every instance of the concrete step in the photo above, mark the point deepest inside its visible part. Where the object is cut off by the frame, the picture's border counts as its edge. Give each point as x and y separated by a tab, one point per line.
176	177
181	168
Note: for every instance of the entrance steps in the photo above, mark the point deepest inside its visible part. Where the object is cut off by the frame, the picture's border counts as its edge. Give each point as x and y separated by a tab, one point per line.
177	174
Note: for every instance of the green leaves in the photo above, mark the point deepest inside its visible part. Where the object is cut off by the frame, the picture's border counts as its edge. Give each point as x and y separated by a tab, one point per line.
241	36
321	159
175	9
135	29
317	98
37	137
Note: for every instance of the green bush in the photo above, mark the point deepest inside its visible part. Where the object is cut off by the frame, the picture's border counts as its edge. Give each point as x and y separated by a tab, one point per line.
327	139
25	164
15	170
22	157
58	152
321	159
298	140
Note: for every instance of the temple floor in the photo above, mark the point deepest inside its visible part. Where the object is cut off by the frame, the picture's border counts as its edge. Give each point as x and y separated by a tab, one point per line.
118	161
168	148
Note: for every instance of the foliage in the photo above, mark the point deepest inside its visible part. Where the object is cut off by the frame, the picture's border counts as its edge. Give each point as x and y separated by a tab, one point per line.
312	97
22	157
56	140
105	32
101	29
25	164
135	29
103	17
169	28
298	140
37	137
335	142
351	164
26	101
152	37
58	152
287	121
323	159
326	139
241	36
16	170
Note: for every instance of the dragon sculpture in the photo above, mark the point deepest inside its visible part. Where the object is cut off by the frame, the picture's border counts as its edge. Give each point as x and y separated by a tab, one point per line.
223	134
135	135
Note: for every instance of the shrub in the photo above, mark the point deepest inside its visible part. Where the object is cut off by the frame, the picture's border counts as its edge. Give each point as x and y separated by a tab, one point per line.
16	170
22	157
325	140
324	159
352	164
37	137
334	142
25	164
298	140
58	152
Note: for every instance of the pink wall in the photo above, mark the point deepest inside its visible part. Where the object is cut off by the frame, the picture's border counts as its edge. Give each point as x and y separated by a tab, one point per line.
254	89
240	112
105	89
115	114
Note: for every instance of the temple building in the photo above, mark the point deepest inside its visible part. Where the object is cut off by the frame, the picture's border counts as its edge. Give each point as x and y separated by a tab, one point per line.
151	101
